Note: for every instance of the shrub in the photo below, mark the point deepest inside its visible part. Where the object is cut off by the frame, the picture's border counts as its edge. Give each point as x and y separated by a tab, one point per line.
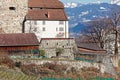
18	64
28	69
42	52
119	63
5	60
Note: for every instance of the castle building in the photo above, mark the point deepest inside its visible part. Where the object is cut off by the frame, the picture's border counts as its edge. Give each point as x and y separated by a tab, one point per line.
12	14
47	19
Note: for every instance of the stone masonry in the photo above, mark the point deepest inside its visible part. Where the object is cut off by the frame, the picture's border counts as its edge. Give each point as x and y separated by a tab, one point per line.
70	63
12	15
50	45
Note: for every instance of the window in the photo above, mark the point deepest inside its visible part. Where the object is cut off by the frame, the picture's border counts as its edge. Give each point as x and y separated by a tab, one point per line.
61	22
35	22
30	7
43	22
43	29
11	8
35	29
56	29
61	29
67	44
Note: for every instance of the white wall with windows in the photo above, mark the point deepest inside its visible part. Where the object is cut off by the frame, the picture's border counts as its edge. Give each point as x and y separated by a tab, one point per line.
47	29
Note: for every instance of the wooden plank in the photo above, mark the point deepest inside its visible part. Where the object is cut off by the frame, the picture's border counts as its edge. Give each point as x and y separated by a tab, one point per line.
18	48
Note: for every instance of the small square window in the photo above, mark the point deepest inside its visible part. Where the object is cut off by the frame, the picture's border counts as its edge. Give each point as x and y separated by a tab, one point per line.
43	22
61	22
11	8
61	29
35	29
43	29
35	22
56	29
67	44
30	7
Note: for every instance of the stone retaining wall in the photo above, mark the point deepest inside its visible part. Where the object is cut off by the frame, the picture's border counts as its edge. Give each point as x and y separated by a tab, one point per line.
115	60
71	63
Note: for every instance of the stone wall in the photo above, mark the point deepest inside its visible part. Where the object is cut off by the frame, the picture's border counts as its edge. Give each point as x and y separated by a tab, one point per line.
109	42
12	14
50	46
71	63
115	60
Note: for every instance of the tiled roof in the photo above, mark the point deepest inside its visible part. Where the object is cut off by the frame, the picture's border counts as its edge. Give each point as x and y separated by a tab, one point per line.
18	39
45	4
57	38
87	51
46	14
90	46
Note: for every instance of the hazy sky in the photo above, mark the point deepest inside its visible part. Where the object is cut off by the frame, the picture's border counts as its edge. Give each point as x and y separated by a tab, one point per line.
84	1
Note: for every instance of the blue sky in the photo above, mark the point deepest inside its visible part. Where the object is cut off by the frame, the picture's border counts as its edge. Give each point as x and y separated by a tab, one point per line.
84	1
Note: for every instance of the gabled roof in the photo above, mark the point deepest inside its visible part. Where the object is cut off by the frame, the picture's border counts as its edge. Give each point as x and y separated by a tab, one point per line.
89	46
57	38
46	14
88	51
45	4
18	39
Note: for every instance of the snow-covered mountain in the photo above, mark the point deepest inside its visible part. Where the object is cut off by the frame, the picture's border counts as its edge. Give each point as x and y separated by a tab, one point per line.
115	2
70	5
80	14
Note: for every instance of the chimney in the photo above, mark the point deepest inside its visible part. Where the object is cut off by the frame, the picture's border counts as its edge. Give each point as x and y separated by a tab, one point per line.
47	15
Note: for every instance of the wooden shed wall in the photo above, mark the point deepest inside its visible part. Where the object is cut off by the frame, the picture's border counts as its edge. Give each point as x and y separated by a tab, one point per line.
11	48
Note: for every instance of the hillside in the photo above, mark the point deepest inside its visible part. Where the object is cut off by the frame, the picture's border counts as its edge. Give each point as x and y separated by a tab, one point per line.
80	14
9	74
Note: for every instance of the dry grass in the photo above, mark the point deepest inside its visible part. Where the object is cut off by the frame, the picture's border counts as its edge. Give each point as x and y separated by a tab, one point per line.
54	70
5	60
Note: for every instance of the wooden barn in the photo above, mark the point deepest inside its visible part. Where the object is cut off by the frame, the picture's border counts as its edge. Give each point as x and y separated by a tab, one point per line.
19	43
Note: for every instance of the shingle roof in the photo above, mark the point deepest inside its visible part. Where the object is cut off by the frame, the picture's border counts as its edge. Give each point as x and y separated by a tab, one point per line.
87	51
46	14
57	38
45	3
91	46
18	39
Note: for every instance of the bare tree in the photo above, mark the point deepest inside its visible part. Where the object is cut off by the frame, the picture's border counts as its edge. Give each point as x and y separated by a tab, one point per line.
115	22
98	30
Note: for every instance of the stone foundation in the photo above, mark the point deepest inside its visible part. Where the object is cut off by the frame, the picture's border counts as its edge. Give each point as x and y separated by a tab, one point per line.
71	63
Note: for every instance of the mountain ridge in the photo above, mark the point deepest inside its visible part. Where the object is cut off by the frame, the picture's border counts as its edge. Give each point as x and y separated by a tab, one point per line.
79	14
